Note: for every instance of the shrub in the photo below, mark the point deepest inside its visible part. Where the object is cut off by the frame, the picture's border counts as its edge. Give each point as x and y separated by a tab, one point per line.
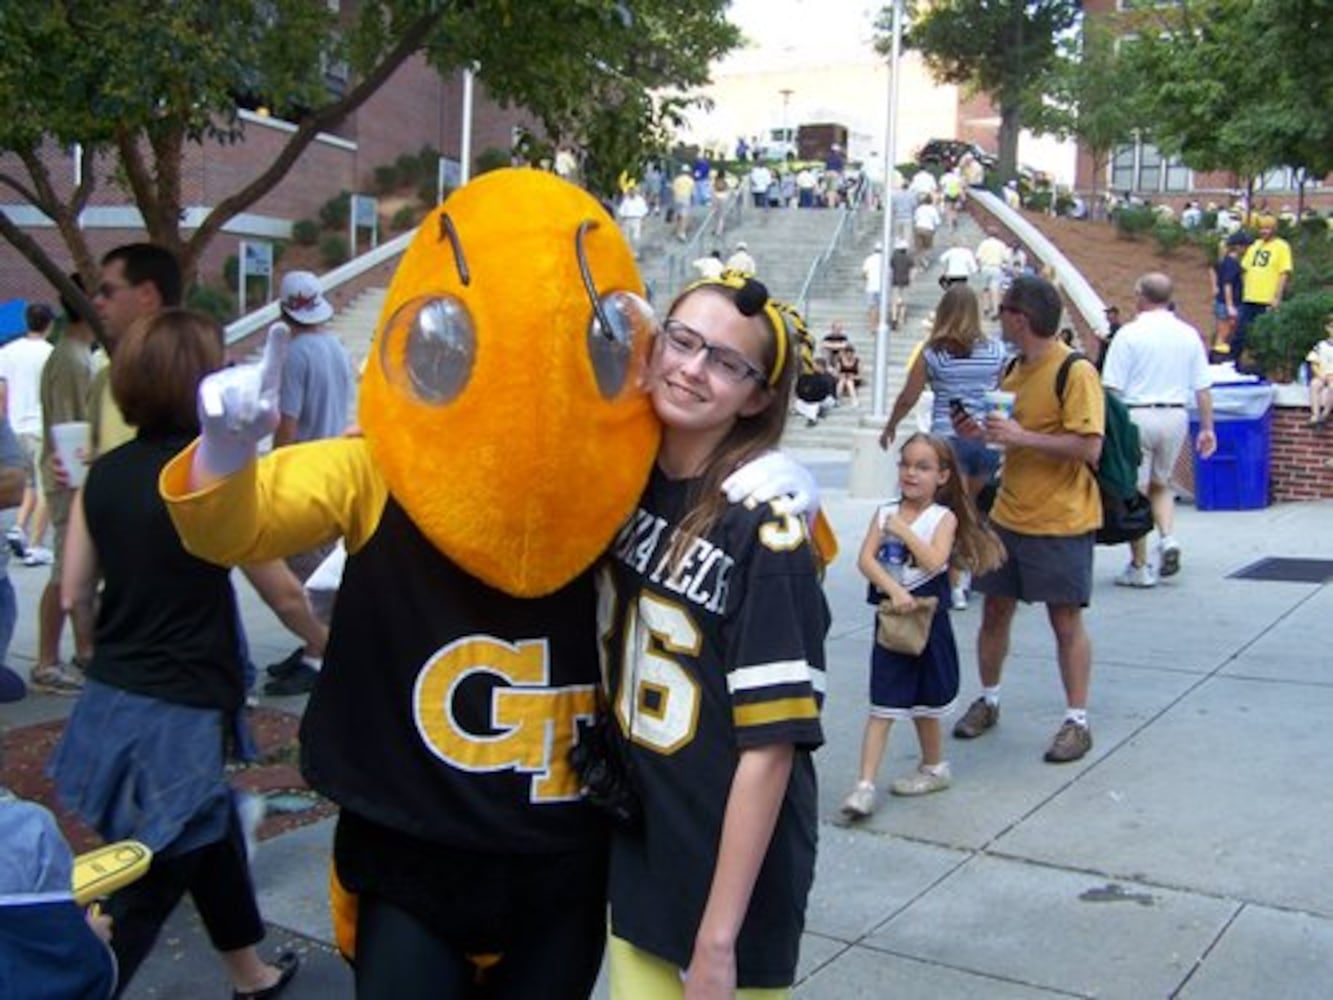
333	249
387	178
428	192
335	212
428	160
1280	339
490	158
305	232
215	302
404	219
1168	234
1132	220
408	169
1038	201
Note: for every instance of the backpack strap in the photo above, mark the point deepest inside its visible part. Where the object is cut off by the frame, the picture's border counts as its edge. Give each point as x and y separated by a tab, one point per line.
1062	376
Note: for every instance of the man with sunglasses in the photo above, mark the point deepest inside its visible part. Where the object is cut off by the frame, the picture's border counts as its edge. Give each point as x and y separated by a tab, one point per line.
1047	510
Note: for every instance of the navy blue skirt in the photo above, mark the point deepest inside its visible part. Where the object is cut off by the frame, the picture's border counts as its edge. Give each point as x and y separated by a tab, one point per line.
923	686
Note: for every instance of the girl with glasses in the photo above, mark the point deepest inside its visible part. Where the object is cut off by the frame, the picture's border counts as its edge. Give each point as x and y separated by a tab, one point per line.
713	622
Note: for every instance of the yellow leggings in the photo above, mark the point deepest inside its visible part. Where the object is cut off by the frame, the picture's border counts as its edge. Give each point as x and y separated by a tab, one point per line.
637	975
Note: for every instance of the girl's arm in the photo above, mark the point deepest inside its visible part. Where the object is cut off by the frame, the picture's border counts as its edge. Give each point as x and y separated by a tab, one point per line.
907	398
932	555
78	578
874	571
757	790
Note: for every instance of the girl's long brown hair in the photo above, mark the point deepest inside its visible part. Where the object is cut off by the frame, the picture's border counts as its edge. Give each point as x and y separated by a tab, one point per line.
748	438
957	327
976	546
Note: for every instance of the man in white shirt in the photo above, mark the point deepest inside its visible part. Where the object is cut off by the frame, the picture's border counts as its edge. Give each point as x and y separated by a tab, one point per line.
740	260
924	223
957	264
992	256
872	270
632	211
1154	365
21	364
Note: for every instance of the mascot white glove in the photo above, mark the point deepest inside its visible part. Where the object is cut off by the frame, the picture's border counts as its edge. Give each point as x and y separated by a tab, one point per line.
774	474
238	408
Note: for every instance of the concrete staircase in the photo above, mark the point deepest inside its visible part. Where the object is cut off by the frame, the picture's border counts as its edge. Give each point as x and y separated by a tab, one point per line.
783	243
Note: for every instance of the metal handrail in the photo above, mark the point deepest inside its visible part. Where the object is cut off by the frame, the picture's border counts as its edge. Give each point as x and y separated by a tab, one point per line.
252	322
848	224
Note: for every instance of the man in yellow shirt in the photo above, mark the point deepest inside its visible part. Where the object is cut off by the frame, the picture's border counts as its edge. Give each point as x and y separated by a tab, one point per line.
1047	510
1265	268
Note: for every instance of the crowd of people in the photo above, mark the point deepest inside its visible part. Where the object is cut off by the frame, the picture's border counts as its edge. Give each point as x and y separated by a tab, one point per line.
710	611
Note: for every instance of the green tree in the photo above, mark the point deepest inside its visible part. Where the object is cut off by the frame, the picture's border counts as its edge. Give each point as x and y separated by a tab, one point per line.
1093	98
1238	86
130	83
1007	49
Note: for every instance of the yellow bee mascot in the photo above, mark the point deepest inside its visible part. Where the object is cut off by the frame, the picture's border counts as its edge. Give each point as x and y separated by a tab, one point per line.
506	438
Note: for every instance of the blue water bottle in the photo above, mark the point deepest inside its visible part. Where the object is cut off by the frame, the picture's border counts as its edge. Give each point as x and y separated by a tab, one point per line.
892	552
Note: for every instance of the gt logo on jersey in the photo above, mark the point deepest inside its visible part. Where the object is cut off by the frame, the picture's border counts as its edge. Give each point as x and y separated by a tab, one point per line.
535	724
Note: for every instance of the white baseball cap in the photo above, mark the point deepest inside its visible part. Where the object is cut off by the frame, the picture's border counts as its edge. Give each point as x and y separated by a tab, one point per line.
303	300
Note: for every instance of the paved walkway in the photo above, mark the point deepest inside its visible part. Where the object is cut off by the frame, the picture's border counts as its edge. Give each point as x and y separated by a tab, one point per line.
1187	856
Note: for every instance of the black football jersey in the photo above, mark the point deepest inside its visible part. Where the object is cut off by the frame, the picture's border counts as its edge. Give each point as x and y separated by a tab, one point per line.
720	651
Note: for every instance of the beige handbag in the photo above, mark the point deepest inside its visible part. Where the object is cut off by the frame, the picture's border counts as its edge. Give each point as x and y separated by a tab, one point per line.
907	631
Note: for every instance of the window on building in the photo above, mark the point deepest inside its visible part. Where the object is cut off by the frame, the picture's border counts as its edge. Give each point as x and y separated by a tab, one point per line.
1140	166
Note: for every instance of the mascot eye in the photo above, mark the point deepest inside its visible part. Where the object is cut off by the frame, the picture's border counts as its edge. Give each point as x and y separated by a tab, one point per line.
622	322
429	348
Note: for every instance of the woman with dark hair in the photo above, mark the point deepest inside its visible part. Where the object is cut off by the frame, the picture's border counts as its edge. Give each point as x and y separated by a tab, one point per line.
144	751
959	363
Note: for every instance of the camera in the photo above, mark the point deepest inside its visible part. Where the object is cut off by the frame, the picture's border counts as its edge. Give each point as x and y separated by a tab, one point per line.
605	774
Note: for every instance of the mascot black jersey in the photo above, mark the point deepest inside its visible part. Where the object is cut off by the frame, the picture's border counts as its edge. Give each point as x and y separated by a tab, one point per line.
446	708
708	654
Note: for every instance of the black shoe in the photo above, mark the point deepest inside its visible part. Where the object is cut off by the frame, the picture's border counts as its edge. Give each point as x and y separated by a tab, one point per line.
299	681
287	964
289	666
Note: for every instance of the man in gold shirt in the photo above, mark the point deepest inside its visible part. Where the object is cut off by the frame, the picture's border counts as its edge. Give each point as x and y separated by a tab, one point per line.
1265	267
1047	511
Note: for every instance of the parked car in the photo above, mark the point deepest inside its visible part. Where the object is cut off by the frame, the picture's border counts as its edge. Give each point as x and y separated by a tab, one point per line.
947	153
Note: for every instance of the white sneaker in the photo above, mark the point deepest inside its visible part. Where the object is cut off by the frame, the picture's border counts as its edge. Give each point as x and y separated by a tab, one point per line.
861	802
1141	577
38	556
1169	558
923	782
958	599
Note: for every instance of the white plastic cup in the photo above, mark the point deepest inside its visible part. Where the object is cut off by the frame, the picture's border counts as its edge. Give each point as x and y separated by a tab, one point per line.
71	442
1001	404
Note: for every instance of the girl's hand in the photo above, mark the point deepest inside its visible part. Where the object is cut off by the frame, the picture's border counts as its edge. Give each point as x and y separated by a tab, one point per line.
895	525
712	974
903	602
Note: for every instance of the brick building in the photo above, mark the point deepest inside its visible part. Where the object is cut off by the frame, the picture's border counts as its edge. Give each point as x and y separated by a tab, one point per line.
415	108
1138	167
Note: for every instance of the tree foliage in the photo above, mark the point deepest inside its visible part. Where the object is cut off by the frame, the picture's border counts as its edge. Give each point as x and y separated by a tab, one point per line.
1238	85
1007	49
132	82
1094	96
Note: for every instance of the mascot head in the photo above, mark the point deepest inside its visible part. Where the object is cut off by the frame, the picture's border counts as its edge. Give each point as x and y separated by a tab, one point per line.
502	395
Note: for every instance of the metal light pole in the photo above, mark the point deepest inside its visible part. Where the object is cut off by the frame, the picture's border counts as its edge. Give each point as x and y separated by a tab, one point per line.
465	143
786	93
890	142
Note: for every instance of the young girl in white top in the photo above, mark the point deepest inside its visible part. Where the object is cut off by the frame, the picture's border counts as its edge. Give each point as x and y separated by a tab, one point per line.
906	553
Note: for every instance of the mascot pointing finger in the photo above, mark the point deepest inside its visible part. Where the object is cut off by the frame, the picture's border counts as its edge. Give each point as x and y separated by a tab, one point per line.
507	438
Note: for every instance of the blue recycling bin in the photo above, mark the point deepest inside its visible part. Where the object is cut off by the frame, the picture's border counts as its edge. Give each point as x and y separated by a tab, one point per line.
1236	477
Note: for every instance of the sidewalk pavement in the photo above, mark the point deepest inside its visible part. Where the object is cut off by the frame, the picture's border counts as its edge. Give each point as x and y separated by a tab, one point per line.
1187	855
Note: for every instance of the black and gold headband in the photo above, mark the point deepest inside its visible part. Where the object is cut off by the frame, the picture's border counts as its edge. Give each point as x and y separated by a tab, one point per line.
752	298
